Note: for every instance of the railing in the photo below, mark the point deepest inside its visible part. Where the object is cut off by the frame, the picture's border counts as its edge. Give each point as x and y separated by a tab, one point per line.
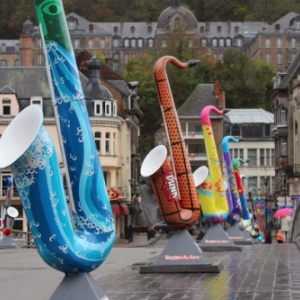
23	239
293	171
193	134
197	156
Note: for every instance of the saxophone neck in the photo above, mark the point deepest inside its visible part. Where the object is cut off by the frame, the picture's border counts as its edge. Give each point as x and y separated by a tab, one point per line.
225	143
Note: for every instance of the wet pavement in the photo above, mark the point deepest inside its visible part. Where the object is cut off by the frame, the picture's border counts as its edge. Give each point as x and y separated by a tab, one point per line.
263	271
260	271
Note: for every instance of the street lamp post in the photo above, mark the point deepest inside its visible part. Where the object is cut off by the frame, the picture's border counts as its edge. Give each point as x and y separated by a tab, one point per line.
266	206
132	184
285	189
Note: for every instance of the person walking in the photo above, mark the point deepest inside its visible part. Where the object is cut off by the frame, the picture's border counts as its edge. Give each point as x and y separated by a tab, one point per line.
280	237
130	233
286	224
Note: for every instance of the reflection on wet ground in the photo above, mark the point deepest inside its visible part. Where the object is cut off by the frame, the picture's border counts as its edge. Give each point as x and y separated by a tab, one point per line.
270	271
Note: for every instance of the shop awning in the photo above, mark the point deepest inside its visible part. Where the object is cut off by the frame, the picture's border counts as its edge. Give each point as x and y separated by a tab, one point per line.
124	208
119	209
116	209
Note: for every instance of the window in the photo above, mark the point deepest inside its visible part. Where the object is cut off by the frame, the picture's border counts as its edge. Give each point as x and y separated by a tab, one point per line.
115	42
293	43
6	107
267	43
17	63
17	47
126	58
236	29
228	42
115	108
102	43
252	157
283	146
107	142
219	29
114	144
126	43
108	108
77	43
202	29
39	43
132	29
150	43
239	42
36	101
279	58
133	43
140	43
279	43
252	184
203	42
267	129
293	57
116	56
164	44
221	42
268	57
3	63
235	130
91	43
115	29
3	47
40	59
98	141
116	65
72	24
91	28
190	44
3	183
262	157
214	42
98	108
282	115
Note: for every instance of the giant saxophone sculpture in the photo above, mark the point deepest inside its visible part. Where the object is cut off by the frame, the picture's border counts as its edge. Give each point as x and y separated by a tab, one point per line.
171	178
211	192
235	211
244	204
69	247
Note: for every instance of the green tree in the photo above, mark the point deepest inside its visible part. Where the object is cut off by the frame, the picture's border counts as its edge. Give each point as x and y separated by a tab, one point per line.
245	81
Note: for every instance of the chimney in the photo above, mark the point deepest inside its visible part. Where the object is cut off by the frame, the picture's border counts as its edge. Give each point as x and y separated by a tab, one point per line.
220	95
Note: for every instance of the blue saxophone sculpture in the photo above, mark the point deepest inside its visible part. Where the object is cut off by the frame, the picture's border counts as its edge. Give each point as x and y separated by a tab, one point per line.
235	211
71	242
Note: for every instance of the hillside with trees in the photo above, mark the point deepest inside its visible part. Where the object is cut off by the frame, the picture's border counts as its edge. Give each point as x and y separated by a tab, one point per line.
14	12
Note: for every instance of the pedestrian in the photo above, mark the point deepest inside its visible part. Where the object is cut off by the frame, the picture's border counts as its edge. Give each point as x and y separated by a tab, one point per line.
130	233
286	223
280	237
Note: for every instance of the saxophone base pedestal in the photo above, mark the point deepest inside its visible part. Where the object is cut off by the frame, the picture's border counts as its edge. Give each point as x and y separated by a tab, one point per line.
216	239
237	236
7	242
78	287
181	255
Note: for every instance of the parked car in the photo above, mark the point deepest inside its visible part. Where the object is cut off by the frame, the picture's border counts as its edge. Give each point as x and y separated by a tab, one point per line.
163	227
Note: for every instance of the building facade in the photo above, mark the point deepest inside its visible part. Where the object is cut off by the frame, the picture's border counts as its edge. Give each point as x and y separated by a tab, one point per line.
113	121
286	105
118	42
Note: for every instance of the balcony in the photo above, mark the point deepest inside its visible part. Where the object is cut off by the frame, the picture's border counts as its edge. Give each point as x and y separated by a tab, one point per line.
193	135
293	171
197	157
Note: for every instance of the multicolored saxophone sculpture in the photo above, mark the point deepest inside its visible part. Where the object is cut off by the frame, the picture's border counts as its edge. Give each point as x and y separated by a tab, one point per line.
171	178
244	204
28	149
233	198
212	194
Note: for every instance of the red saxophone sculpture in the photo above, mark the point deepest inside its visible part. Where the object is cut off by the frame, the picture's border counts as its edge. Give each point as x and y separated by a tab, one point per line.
171	177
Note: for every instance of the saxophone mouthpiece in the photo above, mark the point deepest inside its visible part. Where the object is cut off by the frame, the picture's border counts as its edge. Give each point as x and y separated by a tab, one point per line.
193	62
